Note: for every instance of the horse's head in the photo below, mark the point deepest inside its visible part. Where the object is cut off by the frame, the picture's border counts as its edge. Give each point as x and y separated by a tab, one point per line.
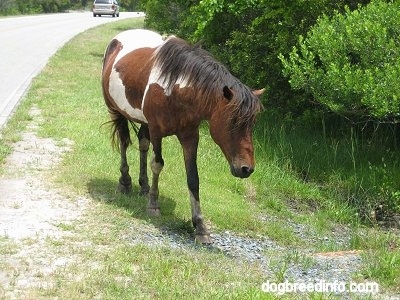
231	127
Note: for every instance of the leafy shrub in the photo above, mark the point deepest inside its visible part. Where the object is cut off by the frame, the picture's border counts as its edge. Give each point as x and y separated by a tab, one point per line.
7	7
351	62
166	16
246	35
15	7
53	6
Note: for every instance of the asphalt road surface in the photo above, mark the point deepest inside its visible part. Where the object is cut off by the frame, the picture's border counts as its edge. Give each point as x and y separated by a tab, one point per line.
27	43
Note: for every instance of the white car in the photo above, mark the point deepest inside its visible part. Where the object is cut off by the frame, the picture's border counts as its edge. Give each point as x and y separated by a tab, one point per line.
105	7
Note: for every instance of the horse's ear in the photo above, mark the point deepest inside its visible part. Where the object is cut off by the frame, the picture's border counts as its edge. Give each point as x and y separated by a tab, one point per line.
258	93
198	45
228	94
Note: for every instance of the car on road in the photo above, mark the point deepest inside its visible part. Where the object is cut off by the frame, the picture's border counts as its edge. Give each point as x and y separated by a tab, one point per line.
105	7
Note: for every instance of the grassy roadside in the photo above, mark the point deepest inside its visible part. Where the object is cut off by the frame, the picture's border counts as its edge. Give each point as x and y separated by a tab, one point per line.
68	93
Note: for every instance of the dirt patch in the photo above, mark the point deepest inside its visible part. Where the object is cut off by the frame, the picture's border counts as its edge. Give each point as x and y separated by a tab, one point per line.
31	211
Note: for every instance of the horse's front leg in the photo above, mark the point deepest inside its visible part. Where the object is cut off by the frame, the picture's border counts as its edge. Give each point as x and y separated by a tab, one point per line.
189	142
157	164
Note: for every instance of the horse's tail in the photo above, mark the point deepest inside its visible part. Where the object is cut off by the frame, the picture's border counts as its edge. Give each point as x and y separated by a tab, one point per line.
120	133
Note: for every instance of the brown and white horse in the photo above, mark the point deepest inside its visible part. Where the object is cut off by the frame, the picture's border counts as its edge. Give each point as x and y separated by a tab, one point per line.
169	87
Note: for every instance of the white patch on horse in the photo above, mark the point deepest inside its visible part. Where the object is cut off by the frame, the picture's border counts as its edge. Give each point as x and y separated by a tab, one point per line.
136	39
131	40
155	77
182	82
117	92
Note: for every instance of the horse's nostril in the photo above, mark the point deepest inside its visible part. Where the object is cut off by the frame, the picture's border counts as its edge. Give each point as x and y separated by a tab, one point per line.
246	171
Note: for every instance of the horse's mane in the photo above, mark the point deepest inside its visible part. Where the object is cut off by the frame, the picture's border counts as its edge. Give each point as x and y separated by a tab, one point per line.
177	60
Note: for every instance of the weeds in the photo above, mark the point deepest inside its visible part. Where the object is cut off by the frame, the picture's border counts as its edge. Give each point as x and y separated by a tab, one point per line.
356	166
385	267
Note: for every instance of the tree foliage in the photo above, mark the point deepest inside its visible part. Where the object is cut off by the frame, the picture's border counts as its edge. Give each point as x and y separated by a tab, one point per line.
166	16
350	63
247	35
14	7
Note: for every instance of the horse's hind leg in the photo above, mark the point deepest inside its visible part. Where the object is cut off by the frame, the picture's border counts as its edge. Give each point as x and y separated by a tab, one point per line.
144	142
122	129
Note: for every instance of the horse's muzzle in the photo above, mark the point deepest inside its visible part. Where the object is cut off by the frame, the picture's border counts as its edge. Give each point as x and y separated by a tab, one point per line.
242	172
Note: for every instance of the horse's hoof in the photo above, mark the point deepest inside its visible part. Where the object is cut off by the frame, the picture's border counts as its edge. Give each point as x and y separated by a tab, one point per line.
203	239
153	211
124	189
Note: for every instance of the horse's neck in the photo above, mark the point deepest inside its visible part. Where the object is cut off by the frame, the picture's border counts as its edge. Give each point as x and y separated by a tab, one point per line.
198	103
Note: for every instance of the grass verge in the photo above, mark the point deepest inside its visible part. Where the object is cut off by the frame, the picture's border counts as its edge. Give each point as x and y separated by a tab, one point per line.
109	266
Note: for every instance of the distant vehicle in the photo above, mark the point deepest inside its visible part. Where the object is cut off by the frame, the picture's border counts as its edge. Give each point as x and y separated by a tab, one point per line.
105	7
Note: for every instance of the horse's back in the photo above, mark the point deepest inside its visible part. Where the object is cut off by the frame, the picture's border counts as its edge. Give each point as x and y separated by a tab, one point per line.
135	39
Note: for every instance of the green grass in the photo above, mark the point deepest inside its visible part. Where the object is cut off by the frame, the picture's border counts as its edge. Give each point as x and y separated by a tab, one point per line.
113	269
357	165
303	174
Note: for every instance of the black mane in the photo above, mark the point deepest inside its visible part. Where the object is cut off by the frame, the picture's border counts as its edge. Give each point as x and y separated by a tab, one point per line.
177	59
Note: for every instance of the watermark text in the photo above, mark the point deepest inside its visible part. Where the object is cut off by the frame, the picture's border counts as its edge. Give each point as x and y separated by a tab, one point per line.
321	286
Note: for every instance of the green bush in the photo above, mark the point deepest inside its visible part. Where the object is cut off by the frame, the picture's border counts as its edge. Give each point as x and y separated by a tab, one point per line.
350	63
166	16
15	7
7	7
246	35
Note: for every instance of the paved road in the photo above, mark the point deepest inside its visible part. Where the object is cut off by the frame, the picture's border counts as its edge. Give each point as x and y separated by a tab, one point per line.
26	44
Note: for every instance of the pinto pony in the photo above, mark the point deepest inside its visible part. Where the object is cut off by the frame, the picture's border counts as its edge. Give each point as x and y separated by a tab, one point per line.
169	87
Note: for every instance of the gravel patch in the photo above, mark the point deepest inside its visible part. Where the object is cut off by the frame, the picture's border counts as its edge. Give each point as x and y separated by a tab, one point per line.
31	213
279	263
